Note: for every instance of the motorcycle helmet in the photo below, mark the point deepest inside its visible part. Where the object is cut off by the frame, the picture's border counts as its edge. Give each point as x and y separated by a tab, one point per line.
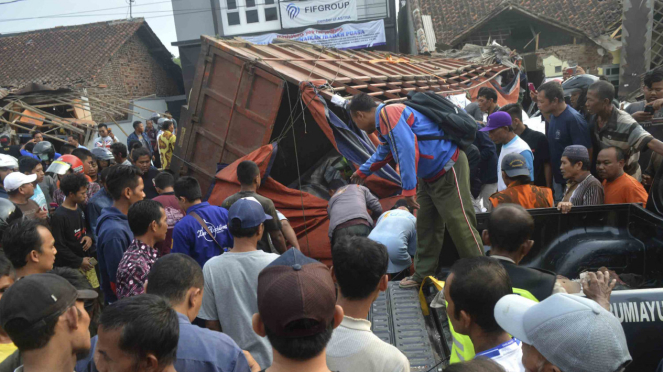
64	163
44	150
578	83
102	153
7	208
575	91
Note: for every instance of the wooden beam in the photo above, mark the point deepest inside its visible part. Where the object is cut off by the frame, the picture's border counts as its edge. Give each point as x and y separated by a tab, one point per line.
614	33
118	125
28	129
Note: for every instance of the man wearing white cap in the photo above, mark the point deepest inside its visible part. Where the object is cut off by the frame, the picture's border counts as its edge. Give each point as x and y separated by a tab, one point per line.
8	164
565	333
20	188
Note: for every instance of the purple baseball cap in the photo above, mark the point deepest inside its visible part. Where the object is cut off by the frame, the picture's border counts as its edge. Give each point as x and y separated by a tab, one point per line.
497	120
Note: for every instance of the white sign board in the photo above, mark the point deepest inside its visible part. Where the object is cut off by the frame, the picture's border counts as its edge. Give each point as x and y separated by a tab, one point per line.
317	12
348	36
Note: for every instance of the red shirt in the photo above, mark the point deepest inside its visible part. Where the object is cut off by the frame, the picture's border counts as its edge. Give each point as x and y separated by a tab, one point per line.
173	215
624	189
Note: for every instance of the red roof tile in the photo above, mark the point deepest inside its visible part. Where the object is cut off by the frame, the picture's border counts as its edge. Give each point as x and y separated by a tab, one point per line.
62	56
451	18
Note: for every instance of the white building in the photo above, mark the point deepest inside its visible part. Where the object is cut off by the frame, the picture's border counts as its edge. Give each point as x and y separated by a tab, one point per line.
231	18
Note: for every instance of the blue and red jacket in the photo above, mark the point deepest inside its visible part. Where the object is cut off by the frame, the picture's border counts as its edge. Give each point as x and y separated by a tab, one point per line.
423	159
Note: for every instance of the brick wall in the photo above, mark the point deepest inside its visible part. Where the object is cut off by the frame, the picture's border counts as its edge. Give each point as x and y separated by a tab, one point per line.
585	55
133	72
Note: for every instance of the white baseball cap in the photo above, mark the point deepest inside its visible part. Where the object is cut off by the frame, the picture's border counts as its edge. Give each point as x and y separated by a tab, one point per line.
17	179
8	161
574	333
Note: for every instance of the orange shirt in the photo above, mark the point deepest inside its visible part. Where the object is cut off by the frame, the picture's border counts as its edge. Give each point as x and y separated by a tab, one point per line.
625	189
528	196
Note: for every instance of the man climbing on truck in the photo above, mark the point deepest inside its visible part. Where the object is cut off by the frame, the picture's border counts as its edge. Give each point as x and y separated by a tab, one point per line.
438	166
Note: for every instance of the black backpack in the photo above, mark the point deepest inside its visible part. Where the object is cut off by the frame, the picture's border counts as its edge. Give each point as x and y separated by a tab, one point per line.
458	126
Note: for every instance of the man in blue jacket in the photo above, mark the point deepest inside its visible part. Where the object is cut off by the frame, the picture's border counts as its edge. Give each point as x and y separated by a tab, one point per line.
439	169
140	136
98	202
189	235
114	235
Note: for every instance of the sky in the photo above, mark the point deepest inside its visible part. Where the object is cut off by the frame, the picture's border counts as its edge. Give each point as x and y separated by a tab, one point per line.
53	13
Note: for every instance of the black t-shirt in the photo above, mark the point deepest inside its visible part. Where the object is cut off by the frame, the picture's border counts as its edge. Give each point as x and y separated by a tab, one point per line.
13	150
538	142
148	180
655	200
538	282
68	228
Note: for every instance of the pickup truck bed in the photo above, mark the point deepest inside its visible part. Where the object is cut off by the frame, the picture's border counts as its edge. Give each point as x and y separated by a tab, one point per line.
625	238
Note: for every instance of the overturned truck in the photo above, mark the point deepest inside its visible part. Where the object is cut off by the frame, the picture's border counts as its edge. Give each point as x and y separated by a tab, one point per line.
283	106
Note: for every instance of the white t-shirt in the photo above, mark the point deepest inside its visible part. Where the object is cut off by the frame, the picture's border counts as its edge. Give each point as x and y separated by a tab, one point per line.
104	142
231	297
353	347
509	355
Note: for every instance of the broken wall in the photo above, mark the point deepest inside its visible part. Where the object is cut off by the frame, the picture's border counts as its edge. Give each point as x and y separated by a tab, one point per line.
589	56
132	73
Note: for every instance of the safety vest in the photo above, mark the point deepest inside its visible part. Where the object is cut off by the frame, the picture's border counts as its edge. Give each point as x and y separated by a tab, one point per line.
462	348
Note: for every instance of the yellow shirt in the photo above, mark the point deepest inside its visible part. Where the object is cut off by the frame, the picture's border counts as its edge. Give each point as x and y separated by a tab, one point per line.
7	350
166	143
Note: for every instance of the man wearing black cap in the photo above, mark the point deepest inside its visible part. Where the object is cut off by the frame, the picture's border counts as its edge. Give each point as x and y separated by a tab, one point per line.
7	148
297	312
582	188
520	189
231	280
46	319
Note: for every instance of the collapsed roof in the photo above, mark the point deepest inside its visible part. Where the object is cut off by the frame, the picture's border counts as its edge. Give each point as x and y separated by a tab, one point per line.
453	20
385	76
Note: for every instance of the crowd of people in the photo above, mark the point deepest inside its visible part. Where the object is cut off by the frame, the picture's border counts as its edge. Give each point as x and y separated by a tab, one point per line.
110	262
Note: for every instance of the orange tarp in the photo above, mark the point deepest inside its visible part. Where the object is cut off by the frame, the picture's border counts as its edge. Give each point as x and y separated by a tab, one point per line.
310	222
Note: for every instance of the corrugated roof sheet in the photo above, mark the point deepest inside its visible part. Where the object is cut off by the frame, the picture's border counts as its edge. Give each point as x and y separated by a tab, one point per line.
385	76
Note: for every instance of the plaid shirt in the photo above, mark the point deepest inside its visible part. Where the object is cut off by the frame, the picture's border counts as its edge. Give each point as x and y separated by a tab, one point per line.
624	132
133	269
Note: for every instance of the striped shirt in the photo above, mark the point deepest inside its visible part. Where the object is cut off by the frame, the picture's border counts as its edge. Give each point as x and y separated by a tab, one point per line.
588	192
624	132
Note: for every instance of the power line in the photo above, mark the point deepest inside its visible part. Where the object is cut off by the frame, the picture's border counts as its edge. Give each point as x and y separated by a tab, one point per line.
171	12
82	12
9	2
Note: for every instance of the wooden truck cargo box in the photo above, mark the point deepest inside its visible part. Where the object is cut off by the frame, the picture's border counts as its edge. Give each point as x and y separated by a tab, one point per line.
241	89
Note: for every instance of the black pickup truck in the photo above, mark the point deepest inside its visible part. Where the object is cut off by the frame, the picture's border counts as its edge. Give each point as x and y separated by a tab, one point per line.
625	238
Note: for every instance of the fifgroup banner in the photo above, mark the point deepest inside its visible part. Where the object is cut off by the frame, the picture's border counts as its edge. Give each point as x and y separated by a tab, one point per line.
348	36
317	12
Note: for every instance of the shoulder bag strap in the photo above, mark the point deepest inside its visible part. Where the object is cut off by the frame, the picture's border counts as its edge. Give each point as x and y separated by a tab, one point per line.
204	225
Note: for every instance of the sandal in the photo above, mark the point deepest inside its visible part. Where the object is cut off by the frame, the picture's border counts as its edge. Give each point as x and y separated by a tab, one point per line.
409	282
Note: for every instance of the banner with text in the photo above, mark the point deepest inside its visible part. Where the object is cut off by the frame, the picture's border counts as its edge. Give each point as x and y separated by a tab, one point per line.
317	12
349	36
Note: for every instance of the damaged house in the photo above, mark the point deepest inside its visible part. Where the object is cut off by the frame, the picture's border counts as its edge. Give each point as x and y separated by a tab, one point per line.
550	35
85	73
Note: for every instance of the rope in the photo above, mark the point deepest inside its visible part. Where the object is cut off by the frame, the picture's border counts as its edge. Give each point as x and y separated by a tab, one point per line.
301	194
294	137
